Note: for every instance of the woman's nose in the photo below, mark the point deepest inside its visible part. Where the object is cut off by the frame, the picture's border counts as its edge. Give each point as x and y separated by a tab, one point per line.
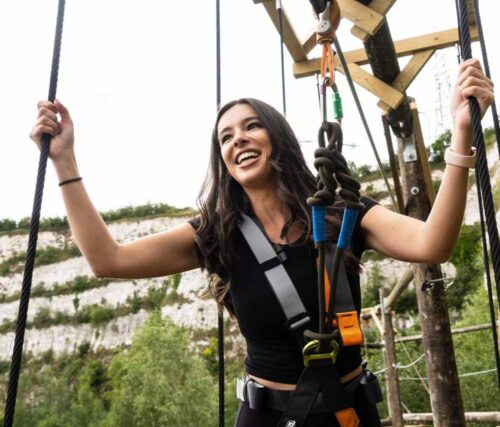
239	138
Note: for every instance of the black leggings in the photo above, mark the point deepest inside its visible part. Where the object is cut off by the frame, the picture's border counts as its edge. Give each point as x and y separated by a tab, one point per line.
367	414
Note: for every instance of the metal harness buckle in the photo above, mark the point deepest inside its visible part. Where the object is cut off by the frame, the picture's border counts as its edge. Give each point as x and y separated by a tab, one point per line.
312	345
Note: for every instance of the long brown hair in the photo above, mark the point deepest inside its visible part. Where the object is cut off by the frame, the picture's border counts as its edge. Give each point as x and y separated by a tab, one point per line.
222	199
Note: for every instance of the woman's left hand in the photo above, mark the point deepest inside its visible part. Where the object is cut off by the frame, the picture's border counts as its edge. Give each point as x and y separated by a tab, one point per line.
471	81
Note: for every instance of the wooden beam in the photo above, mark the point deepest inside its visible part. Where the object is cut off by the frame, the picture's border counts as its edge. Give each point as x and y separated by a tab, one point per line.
380	89
457	331
367	19
405	47
360	15
419	140
292	43
379	6
309	43
409	73
399	288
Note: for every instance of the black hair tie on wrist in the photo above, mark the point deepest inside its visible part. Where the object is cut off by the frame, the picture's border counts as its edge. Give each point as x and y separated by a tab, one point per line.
79	178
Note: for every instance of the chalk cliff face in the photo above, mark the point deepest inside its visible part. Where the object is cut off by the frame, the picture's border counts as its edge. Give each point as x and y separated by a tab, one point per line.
55	313
190	307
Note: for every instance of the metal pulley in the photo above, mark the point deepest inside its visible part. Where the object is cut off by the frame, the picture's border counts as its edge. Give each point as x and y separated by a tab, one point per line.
328	22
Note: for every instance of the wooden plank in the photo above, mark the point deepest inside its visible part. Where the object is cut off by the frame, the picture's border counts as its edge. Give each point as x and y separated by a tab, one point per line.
409	73
405	47
292	43
380	89
379	6
309	43
419	140
361	15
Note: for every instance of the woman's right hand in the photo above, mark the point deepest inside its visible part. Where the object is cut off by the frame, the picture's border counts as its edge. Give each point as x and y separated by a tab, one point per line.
61	131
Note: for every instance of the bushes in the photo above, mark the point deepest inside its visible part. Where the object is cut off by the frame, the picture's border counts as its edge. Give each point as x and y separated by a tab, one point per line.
129	212
158	381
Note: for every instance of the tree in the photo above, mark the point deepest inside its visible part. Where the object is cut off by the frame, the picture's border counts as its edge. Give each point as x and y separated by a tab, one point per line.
439	146
160	381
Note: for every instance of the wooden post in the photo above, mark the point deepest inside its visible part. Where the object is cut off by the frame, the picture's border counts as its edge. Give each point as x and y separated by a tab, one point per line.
444	386
391	373
445	396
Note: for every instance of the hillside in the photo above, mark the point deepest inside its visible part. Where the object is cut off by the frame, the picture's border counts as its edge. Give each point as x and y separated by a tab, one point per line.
82	323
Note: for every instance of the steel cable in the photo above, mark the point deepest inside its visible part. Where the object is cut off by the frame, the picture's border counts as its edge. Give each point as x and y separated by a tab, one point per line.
363	119
478	141
488	282
15	368
283	90
482	42
220	322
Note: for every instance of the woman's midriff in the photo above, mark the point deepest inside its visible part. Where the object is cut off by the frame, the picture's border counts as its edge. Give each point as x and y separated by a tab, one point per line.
288	387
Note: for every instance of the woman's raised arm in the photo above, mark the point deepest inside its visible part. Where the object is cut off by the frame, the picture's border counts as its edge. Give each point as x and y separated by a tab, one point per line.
160	254
432	241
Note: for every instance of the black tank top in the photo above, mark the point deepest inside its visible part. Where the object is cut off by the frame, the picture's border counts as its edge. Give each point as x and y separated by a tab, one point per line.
272	352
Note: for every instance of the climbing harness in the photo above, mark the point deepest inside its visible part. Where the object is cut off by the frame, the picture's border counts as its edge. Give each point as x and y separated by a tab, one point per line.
33	236
319	383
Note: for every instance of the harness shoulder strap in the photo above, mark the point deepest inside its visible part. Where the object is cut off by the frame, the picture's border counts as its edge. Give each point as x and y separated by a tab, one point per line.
297	316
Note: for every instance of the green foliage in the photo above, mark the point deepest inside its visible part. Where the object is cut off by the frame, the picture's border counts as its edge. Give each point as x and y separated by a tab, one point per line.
160	381
149	210
7	224
489	137
474	353
439	146
436	183
468	263
49	255
370	297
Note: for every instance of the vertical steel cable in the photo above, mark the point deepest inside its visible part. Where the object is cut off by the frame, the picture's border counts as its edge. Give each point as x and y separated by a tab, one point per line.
280	20
488	283
478	140
220	329
33	236
487	69
481	207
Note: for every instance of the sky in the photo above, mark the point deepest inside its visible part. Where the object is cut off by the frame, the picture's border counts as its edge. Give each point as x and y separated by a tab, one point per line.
139	80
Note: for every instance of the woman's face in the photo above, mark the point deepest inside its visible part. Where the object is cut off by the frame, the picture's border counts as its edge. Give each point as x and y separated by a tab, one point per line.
245	146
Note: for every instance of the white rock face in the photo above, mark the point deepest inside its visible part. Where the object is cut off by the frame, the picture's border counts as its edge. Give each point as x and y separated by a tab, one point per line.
196	311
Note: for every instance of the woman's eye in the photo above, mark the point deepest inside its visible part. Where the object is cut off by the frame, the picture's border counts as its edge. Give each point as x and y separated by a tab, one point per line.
225	138
254	125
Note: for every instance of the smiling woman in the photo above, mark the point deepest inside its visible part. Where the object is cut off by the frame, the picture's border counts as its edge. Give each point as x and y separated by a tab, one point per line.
257	169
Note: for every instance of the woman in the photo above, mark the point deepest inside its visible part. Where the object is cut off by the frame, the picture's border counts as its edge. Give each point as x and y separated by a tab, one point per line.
257	168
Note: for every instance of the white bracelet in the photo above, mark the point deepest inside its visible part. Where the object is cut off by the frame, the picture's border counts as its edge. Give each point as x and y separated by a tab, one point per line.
453	158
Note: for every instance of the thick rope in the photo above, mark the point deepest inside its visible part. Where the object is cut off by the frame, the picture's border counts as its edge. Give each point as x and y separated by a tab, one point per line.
478	140
220	323
482	42
280	19
33	235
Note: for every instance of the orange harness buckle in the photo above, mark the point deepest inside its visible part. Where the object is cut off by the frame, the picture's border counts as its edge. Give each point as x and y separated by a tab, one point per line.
349	328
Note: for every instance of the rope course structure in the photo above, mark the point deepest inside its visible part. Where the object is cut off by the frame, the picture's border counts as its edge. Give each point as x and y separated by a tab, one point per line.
388	83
